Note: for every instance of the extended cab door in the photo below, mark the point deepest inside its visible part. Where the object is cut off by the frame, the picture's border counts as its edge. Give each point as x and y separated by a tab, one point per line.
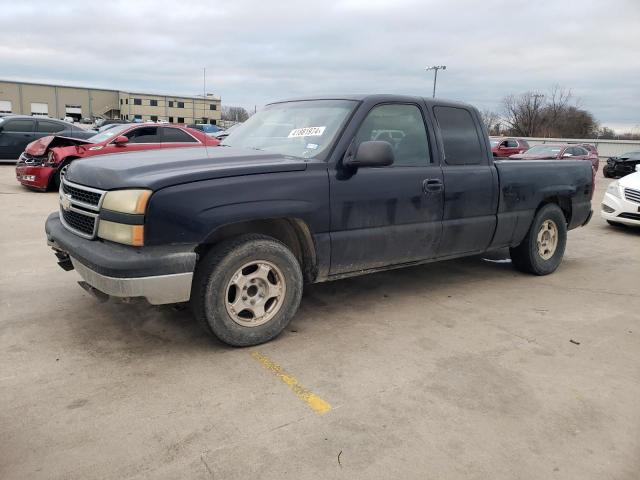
389	215
470	183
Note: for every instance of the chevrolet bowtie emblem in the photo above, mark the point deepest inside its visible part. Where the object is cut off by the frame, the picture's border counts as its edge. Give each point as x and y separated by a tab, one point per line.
65	202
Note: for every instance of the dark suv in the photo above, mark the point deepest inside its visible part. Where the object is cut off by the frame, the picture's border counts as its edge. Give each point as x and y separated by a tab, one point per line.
17	131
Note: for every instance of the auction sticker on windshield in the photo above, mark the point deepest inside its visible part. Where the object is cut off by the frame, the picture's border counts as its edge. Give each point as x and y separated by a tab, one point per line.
306	132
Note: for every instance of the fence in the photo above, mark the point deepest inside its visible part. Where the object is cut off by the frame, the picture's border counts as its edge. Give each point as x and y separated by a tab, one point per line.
606	148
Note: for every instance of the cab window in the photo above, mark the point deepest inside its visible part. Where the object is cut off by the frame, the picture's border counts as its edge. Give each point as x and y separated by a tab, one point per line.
403	127
459	136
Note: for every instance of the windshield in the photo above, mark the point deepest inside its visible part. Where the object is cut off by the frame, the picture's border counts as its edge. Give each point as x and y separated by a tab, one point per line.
107	134
303	129
546	150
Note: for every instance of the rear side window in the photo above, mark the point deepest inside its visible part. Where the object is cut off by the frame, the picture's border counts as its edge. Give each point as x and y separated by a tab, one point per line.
175	135
580	151
402	126
144	135
459	136
50	127
18	126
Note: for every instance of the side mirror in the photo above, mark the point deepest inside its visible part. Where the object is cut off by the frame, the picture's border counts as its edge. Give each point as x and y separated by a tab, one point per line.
371	154
638	167
121	140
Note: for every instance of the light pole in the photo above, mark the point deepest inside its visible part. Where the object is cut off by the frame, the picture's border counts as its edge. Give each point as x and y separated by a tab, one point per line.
435	69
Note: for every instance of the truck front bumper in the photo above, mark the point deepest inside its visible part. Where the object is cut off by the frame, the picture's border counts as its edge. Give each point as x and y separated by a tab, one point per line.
161	274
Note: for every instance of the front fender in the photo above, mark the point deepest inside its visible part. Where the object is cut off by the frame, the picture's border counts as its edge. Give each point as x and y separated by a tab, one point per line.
189	213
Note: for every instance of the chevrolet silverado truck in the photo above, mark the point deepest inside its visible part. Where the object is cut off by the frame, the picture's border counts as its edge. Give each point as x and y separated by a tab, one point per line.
307	191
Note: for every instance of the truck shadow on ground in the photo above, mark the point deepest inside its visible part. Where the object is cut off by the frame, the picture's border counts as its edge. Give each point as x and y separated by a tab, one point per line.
129	330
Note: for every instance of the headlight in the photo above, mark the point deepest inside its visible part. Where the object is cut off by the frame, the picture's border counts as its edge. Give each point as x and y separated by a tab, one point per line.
127	201
613	189
133	202
121	233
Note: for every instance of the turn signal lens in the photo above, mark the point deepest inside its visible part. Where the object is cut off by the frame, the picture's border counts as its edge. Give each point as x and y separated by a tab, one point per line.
121	233
127	201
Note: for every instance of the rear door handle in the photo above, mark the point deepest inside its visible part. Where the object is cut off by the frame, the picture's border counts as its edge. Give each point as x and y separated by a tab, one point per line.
432	185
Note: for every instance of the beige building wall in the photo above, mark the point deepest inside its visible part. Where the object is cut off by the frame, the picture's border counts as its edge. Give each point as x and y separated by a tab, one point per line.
10	92
107	103
170	108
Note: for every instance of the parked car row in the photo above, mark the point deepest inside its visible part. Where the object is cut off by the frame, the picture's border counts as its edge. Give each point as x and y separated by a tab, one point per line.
17	131
40	166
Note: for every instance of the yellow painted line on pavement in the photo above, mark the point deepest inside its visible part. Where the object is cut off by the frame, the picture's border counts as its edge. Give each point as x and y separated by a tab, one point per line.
316	403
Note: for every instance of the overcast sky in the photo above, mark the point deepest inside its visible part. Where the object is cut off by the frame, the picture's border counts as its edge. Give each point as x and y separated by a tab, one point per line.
259	51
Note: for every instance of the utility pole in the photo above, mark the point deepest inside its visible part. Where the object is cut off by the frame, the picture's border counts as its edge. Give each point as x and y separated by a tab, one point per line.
435	69
204	94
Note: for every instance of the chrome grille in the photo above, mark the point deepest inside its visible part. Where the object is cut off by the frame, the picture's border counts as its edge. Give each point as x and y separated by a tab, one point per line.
79	207
632	195
81	195
80	222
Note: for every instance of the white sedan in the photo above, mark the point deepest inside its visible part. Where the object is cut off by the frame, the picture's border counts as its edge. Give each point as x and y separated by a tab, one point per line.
621	202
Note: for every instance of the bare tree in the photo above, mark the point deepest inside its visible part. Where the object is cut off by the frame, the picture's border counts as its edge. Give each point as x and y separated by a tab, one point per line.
555	114
234	114
492	121
557	102
523	113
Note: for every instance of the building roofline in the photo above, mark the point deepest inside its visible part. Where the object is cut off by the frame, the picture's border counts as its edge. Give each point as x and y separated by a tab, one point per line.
114	90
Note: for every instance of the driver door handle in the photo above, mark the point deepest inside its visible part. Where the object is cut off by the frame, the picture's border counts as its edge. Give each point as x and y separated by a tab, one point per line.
432	185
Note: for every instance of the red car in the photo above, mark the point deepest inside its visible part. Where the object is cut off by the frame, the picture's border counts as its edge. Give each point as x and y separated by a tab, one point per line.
40	164
561	151
507	146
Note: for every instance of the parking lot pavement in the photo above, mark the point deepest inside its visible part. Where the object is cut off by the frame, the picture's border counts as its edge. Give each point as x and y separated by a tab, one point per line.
461	369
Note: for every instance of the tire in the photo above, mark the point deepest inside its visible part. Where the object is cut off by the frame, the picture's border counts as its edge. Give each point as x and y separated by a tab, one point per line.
528	256
217	297
607	173
616	224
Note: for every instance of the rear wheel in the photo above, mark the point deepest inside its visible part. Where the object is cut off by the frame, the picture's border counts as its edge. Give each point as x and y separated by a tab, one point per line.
246	290
542	249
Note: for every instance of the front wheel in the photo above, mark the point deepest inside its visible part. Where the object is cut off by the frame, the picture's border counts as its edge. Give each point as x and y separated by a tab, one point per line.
606	171
246	290
542	249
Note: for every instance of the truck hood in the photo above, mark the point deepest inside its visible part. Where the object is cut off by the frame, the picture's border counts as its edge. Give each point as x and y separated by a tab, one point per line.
156	169
39	147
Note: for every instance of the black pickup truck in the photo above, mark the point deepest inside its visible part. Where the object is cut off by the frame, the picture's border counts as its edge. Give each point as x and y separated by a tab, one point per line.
307	191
